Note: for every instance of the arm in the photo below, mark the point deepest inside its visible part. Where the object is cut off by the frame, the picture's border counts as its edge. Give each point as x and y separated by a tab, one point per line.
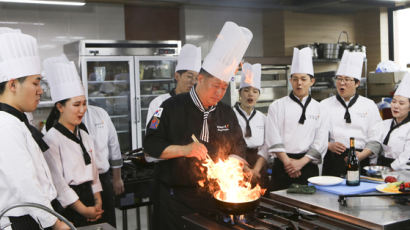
402	162
372	147
320	143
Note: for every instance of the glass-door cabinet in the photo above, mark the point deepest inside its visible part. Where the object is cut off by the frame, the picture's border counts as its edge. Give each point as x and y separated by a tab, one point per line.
110	84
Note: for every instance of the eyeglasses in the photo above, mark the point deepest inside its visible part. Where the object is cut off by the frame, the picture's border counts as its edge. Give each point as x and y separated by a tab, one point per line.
345	80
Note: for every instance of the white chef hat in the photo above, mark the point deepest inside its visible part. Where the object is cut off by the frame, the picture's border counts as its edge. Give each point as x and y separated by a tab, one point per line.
18	55
189	58
351	64
251	76
302	61
404	87
227	51
63	78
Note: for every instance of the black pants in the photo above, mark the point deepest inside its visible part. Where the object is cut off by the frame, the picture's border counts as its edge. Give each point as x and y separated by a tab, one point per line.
107	197
385	161
25	222
86	196
335	165
281	180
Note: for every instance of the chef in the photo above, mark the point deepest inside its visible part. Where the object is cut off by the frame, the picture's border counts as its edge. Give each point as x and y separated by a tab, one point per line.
186	74
252	121
24	174
394	134
296	130
201	113
71	156
350	115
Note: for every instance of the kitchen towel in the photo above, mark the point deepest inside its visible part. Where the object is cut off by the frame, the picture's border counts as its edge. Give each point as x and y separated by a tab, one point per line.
343	189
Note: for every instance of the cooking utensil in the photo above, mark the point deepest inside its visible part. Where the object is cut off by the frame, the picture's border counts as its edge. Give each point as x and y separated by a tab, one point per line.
238	208
376	170
196	140
328	50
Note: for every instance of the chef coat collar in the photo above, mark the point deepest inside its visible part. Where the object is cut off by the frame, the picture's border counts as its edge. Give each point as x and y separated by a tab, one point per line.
37	135
394	126
205	130
248	130
304	104
243	111
67	133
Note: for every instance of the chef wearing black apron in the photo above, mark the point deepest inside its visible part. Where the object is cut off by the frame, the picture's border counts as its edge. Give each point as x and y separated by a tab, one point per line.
252	121
71	156
201	113
24	174
296	128
350	115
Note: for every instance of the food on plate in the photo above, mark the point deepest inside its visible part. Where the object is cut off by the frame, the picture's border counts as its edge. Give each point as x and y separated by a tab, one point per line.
404	187
390	179
392	187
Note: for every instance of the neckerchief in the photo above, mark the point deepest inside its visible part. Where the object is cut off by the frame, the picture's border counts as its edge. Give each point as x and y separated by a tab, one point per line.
303	116
67	133
172	93
205	130
36	134
347	114
393	127
248	132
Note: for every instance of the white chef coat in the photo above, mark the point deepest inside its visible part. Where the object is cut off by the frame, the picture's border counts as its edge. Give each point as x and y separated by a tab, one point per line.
364	116
257	124
24	174
398	147
283	133
155	104
66	162
102	131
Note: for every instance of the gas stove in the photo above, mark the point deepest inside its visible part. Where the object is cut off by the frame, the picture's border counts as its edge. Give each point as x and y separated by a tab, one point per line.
270	214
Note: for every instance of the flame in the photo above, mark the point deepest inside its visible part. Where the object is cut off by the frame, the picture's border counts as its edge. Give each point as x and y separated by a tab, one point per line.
234	183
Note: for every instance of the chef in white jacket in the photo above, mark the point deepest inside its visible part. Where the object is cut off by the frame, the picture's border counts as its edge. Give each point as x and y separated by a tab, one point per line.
71	156
252	121
350	115
24	174
296	130
107	155
394	134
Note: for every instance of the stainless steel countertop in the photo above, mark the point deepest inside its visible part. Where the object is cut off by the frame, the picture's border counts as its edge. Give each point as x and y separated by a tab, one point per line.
368	212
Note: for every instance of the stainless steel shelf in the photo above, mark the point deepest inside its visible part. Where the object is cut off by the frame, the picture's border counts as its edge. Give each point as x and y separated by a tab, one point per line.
45	104
157	80
107	97
114	81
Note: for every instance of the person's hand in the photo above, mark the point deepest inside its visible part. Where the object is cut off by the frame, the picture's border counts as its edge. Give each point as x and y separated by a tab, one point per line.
91	213
295	175
118	186
337	147
60	225
294	166
196	150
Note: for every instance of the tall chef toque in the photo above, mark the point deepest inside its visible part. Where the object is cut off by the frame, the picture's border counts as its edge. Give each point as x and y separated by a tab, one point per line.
18	55
351	65
251	76
227	51
63	78
302	61
189	58
404	87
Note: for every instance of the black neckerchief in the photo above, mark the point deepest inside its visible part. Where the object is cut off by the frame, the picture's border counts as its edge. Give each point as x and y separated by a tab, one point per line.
67	133
172	93
393	127
248	132
36	134
205	130
303	116
347	114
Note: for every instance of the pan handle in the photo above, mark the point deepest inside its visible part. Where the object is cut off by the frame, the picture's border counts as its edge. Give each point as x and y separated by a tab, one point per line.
133	151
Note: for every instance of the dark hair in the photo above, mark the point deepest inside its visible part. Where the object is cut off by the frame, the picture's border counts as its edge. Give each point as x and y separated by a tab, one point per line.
3	84
181	71
205	73
356	81
54	115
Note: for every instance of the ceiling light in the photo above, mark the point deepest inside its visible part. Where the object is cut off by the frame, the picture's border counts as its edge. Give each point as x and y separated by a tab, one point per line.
67	3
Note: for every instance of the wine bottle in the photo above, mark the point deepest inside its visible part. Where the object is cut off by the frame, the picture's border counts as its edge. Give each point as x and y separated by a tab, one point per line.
353	168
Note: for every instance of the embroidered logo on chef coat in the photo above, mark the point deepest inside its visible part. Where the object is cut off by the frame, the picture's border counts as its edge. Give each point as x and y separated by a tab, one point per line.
100	125
154	123
158	112
312	117
362	115
222	128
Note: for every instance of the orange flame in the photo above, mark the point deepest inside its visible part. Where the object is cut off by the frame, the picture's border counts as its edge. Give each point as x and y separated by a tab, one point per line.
233	182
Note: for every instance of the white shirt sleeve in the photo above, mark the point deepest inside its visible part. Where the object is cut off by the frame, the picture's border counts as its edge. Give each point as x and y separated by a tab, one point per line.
319	145
115	157
273	139
401	162
96	184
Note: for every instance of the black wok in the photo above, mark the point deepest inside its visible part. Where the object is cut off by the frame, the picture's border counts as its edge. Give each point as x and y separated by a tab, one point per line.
235	208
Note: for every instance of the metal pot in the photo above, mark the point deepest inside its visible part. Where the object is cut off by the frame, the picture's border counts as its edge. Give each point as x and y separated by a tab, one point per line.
376	170
236	208
328	50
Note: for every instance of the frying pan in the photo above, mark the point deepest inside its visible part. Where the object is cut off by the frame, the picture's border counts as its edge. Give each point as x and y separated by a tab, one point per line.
235	208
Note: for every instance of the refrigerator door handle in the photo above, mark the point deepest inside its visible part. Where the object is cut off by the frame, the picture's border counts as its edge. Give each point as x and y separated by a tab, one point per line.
137	107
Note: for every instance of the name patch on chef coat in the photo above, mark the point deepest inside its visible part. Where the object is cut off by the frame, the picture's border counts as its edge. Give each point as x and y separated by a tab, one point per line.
222	128
158	113
154	123
99	125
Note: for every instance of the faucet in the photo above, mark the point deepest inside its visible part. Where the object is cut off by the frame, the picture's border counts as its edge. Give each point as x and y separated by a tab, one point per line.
39	206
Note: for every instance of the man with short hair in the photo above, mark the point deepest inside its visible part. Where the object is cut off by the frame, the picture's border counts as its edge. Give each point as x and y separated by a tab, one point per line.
24	173
201	113
350	115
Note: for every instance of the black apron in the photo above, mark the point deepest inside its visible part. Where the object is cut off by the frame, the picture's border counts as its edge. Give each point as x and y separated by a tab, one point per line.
385	161
107	197
281	180
335	165
23	223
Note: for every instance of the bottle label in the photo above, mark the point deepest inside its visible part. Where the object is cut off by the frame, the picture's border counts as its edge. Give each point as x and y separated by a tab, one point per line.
353	176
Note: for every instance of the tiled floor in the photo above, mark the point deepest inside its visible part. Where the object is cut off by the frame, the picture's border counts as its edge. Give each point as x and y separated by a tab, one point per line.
132	219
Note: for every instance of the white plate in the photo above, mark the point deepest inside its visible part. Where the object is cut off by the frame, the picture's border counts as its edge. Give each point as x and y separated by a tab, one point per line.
380	188
325	180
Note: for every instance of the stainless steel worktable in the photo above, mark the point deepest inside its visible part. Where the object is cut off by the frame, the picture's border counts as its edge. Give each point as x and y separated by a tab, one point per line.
368	212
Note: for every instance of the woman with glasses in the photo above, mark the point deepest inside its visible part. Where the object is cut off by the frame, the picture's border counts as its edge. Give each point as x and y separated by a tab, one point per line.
394	134
350	115
296	128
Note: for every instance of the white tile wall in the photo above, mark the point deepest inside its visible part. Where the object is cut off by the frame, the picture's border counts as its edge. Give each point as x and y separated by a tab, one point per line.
202	24
55	26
